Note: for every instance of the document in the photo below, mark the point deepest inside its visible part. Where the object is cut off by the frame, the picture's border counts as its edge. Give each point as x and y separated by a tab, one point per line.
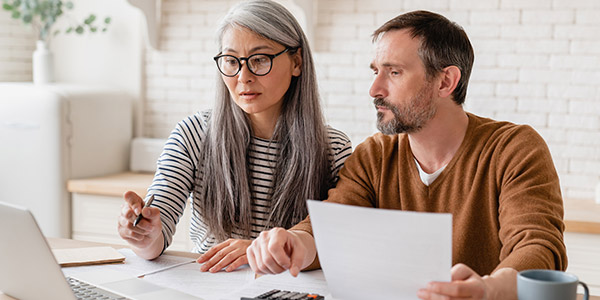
74	257
369	253
174	272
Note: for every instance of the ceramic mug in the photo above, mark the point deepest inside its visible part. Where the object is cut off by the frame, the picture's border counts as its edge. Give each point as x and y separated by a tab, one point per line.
548	285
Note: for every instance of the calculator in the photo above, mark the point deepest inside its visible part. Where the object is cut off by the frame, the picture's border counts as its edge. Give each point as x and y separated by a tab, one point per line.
285	295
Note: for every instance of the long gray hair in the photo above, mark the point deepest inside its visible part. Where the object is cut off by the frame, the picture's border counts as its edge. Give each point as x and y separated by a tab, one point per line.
302	168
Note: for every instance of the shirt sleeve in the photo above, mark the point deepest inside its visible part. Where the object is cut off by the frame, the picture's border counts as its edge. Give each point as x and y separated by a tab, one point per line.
175	173
340	148
530	205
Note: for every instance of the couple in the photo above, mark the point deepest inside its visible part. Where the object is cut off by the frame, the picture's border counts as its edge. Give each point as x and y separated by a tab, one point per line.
251	162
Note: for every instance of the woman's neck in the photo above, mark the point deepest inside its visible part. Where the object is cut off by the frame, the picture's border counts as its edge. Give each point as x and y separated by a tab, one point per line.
263	125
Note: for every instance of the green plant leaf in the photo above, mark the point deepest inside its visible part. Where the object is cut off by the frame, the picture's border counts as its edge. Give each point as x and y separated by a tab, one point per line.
16	3
27	19
90	19
93	29
107	20
79	29
69	5
69	30
16	14
7	6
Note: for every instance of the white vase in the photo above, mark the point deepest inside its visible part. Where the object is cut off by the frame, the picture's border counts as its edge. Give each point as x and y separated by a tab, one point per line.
43	64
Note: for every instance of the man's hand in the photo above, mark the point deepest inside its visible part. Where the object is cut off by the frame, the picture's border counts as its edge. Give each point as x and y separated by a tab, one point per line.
230	253
467	284
277	250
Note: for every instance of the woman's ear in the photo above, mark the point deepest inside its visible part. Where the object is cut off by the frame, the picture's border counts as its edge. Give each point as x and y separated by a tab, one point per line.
449	80
297	63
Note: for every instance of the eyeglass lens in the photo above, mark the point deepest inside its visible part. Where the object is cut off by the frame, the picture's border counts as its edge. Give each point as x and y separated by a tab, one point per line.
258	64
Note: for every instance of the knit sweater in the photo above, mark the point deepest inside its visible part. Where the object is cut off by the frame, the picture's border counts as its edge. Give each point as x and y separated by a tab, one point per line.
501	188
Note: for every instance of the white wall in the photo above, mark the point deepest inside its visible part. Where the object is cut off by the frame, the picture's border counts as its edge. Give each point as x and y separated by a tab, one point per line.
537	62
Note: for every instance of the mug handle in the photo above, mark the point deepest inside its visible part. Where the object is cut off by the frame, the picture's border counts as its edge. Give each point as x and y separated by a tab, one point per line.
586	291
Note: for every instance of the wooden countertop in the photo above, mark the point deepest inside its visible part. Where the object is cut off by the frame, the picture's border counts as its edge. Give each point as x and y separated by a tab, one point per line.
581	215
112	185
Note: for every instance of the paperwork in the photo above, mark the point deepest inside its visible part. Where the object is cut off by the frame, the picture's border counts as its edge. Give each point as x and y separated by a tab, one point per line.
87	256
369	253
173	272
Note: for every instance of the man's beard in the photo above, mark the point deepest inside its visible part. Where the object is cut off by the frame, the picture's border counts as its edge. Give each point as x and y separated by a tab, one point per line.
410	117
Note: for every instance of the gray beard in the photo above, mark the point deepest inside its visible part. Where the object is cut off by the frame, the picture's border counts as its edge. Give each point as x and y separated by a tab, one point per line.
409	118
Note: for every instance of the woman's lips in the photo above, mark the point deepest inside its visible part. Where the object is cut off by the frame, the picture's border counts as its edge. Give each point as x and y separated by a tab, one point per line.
249	95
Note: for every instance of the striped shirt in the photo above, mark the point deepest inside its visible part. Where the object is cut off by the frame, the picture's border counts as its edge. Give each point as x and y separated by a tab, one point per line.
178	178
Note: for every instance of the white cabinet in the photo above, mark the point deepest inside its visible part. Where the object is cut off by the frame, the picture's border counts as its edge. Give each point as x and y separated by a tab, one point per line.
52	133
583	251
97	204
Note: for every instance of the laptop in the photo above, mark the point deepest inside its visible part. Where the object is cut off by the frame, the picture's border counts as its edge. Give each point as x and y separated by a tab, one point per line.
30	271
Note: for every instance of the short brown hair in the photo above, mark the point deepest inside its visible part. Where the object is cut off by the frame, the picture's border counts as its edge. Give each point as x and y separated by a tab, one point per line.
443	43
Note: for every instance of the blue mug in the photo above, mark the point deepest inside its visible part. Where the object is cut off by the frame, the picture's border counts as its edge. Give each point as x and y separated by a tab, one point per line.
548	285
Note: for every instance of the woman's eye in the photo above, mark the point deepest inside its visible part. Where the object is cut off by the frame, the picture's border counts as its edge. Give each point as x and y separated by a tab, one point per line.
259	60
230	61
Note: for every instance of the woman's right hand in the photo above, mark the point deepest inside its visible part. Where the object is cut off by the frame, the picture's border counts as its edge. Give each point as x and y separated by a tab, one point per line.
146	238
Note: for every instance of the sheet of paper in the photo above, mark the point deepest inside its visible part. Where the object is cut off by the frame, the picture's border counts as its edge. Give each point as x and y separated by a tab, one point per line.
306	282
133	265
87	256
369	253
186	278
189	279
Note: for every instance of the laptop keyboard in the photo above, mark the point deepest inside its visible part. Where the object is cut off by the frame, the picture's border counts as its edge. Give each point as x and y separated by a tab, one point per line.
86	291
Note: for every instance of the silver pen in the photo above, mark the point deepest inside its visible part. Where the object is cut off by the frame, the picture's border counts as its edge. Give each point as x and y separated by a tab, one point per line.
139	217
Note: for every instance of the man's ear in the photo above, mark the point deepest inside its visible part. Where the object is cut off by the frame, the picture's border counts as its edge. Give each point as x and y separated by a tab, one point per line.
449	80
297	63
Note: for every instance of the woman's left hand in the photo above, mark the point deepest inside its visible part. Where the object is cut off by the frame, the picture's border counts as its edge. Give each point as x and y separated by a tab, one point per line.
230	253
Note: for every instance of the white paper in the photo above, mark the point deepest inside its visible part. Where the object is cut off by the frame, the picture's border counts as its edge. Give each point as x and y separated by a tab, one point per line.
185	278
133	265
306	282
369	253
189	279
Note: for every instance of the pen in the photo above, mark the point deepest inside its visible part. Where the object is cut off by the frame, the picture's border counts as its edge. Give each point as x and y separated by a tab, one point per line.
139	217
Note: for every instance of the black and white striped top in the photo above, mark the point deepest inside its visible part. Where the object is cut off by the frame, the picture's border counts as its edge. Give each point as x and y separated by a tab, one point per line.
178	177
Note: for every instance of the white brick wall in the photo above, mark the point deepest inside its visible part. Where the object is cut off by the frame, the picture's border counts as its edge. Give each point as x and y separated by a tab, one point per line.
17	43
536	63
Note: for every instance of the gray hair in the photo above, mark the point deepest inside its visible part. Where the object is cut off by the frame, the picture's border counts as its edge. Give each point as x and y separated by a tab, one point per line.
302	168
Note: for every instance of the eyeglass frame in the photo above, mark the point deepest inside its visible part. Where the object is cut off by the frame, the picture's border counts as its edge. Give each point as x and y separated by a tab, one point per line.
241	59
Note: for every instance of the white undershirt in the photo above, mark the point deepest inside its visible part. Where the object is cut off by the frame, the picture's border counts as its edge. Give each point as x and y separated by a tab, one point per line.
426	177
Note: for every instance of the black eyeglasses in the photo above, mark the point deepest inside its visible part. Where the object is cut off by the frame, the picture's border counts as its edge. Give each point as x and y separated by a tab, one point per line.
259	64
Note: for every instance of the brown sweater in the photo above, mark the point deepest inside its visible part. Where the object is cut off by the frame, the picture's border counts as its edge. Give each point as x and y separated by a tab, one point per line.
501	188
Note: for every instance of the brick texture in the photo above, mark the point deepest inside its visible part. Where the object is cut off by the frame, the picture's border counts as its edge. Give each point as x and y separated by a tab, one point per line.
536	63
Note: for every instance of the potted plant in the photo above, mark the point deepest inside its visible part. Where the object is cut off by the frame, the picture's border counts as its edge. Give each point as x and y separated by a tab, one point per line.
42	15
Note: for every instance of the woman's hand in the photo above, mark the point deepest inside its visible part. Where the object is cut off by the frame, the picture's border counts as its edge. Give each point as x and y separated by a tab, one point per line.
230	253
146	238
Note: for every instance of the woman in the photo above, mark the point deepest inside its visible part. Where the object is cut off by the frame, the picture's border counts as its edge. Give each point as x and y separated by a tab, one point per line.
250	163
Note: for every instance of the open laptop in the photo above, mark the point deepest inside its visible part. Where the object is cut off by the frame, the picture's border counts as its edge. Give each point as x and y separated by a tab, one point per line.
30	271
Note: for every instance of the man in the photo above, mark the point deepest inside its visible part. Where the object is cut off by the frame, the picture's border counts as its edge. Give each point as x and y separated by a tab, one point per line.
496	178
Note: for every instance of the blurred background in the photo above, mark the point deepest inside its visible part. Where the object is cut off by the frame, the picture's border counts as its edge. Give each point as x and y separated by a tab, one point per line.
537	62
